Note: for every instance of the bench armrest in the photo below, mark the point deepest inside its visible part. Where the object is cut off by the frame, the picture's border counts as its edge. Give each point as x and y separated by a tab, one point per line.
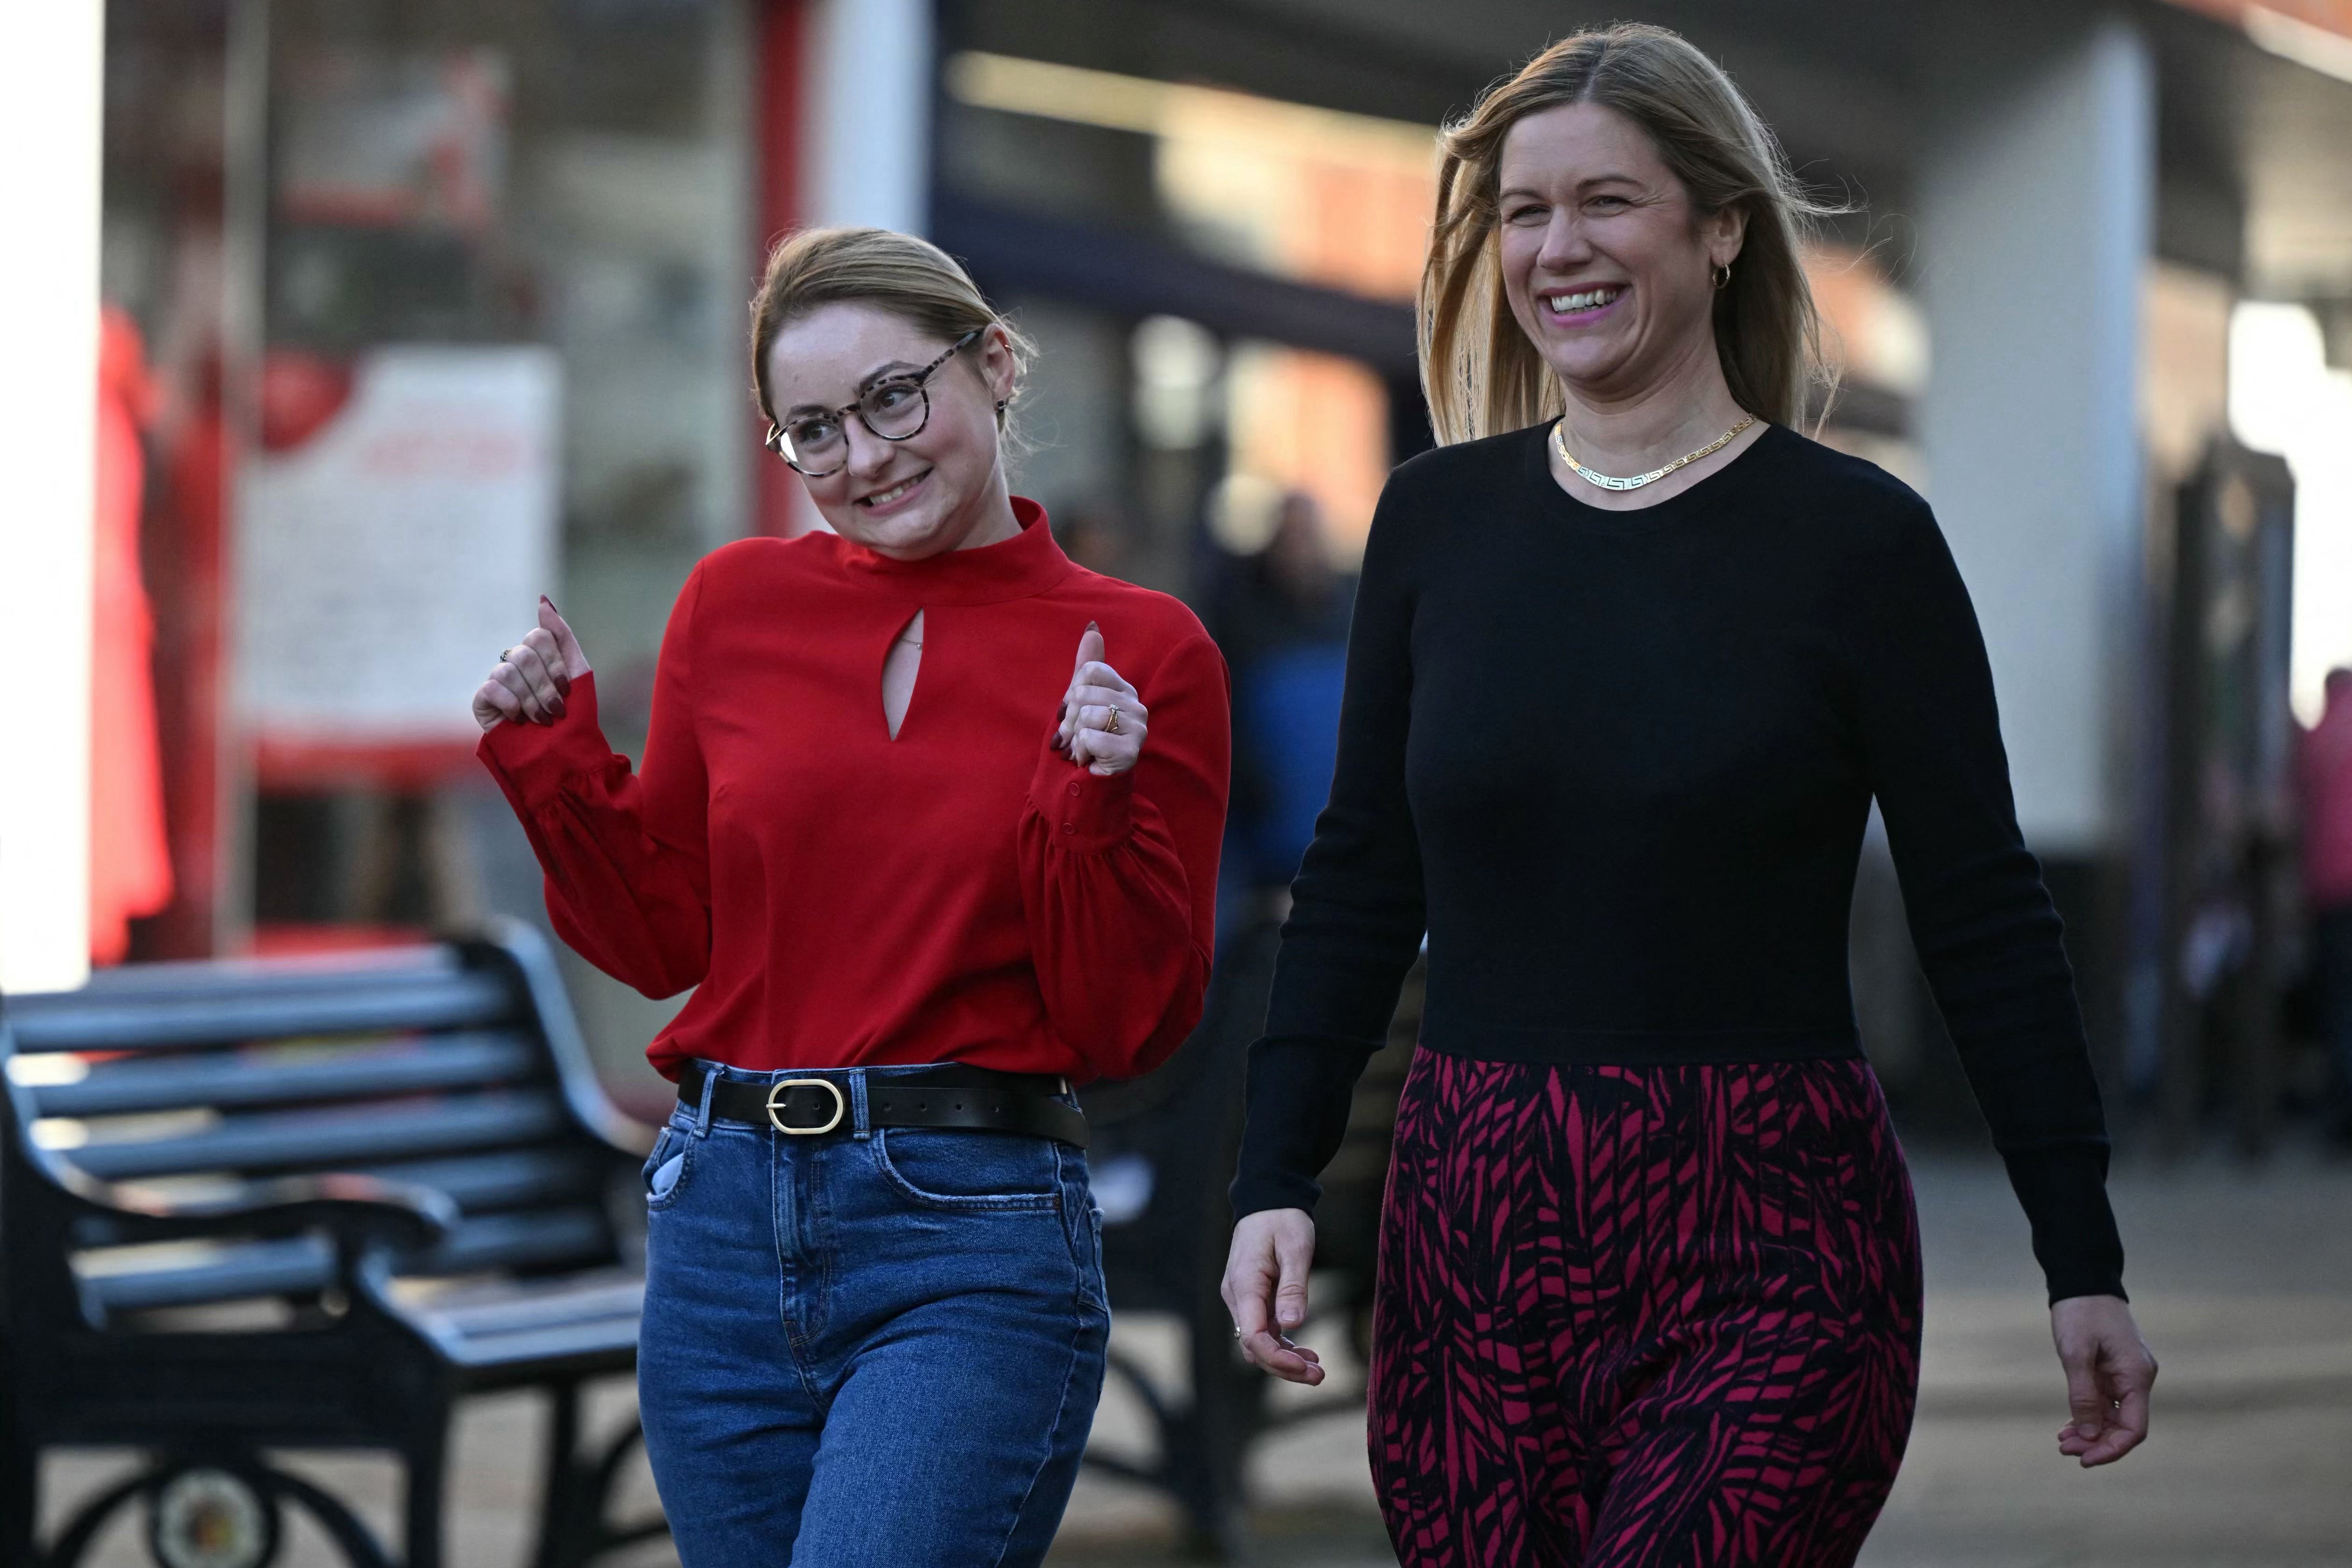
515	946
360	1210
403	1214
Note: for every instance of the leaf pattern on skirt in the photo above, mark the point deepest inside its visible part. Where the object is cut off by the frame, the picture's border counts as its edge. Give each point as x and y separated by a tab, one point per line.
1641	1316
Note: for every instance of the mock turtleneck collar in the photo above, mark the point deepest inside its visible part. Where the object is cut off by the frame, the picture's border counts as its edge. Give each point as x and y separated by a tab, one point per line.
1029	563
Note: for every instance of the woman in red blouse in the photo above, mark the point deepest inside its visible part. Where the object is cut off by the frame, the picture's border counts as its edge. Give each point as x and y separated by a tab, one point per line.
928	819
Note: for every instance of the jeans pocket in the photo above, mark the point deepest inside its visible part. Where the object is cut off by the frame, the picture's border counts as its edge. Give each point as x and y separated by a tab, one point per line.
664	1175
1092	1280
972	1172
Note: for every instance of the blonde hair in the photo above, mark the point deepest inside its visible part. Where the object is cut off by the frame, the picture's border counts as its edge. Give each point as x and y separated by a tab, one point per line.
1481	374
912	279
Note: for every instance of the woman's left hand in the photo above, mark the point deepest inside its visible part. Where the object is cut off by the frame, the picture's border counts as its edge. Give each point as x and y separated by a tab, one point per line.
2109	1370
1104	723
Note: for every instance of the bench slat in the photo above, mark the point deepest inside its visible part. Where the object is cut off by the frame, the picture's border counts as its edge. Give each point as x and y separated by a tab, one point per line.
521	1323
505	1180
299	1264
231	1079
531	1347
312	974
514	1308
330	1139
369	1004
537	1238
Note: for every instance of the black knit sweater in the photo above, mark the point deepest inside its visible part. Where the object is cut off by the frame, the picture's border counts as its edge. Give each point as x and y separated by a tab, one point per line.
1618	765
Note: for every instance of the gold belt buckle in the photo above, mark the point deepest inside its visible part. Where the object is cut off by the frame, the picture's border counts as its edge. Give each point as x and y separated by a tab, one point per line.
775	1099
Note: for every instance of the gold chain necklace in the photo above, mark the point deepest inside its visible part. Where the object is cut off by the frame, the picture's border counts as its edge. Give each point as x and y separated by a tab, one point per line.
1612	482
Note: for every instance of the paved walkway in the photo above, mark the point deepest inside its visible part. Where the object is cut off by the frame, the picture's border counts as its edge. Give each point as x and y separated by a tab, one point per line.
2243	1282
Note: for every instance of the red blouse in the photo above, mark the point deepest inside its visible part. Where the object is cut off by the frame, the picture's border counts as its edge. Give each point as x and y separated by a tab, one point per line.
839	898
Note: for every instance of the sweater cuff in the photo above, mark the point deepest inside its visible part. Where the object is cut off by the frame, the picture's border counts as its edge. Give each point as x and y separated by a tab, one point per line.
1084	809
535	759
1254	1192
2063	1192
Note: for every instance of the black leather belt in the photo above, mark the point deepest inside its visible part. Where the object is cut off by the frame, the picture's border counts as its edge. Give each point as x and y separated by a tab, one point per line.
977	1099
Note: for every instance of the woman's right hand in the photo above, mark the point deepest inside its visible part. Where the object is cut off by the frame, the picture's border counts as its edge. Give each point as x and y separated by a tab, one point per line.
532	679
1265	1290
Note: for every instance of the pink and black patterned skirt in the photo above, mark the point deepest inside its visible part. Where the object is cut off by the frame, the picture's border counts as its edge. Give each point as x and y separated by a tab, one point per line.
1641	1316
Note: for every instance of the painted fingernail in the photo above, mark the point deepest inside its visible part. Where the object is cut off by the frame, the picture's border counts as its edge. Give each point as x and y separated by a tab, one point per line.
550	604
1094	625
556	707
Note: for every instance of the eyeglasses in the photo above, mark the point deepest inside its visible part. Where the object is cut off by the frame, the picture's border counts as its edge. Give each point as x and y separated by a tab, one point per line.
817	443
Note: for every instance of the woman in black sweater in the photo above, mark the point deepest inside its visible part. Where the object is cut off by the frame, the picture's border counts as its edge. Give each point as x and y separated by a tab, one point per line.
1649	1267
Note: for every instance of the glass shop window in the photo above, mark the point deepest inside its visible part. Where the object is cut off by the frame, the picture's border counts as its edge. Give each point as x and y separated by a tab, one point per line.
507	253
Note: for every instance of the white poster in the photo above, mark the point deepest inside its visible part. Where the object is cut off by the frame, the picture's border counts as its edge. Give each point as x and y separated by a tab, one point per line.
385	559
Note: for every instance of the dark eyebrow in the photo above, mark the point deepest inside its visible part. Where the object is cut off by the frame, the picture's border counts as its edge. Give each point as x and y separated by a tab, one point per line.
881	373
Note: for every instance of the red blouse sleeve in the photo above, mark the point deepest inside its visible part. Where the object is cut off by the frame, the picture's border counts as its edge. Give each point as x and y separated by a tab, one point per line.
626	854
1118	876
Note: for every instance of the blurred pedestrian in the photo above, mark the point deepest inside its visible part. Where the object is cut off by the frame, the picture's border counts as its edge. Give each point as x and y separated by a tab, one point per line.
1281	617
1093	538
919	895
1630	659
2325	766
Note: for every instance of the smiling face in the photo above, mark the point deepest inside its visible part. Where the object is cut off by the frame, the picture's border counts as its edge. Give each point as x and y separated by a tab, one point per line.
941	488
1605	262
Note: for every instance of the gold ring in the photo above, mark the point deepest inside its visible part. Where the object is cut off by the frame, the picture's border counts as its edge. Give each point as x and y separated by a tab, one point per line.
1112	727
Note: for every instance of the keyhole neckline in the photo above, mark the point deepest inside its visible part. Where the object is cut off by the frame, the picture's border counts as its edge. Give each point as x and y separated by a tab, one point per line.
902	666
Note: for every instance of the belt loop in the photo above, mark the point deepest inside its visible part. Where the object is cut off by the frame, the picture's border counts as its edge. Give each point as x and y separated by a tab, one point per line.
710	1071
861	1128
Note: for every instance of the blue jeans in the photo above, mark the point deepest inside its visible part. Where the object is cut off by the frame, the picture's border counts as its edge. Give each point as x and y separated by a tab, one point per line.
880	1346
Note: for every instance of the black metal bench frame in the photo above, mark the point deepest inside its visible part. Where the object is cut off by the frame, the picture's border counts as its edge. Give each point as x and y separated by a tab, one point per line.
1185	1121
351	1367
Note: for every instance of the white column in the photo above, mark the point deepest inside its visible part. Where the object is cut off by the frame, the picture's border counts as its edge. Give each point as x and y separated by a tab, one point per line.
52	58
869	132
2036	211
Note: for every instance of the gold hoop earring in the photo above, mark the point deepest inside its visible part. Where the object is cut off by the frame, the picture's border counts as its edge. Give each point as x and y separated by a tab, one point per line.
1723	276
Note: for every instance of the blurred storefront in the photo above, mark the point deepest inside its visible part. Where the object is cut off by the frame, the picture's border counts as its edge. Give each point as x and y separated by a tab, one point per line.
442	301
441	305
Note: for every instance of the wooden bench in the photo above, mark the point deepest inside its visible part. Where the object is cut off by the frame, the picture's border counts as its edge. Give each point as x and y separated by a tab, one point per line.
248	1206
